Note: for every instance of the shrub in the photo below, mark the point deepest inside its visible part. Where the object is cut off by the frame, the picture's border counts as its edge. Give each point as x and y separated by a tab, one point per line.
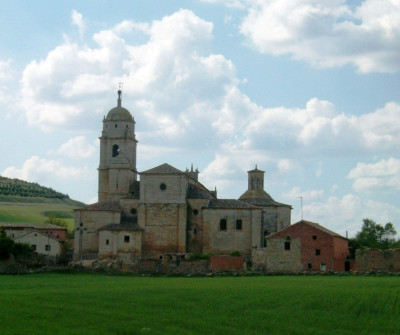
235	253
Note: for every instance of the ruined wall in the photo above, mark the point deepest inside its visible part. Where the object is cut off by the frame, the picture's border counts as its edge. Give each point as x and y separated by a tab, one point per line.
378	260
227	263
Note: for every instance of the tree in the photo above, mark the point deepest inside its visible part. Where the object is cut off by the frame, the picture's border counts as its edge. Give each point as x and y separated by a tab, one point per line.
6	244
56	221
375	235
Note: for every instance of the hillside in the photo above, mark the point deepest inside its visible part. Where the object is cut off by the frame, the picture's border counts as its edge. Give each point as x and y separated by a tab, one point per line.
21	188
25	202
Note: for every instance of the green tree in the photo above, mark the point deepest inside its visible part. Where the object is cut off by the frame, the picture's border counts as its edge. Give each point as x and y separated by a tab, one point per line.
56	221
374	235
6	244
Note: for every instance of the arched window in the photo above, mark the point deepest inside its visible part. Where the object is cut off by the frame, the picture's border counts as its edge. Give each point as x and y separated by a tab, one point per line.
115	150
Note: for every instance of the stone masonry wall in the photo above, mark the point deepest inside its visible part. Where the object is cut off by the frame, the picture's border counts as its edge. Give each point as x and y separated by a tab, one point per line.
378	260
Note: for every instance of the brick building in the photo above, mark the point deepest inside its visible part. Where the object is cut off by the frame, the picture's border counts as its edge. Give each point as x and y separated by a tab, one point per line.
303	246
169	211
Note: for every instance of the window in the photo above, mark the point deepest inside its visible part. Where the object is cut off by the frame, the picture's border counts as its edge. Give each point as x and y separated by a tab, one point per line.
314	237
238	224
222	225
195	231
116	126
309	266
195	212
287	245
47	247
115	150
163	187
107	242
133	211
33	246
126	238
323	267
317	252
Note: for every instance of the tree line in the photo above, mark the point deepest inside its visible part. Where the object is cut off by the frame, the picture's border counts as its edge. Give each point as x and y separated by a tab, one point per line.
21	188
375	235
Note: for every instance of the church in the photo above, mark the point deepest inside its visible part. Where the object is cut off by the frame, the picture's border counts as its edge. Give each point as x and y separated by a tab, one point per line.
168	212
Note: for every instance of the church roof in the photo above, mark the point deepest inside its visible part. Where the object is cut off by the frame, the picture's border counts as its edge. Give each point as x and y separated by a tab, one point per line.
121	227
229	204
163	169
195	192
12	225
313	224
256	170
260	198
108	205
119	113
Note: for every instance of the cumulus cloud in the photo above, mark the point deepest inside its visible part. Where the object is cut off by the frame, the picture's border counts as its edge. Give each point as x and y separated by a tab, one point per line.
295	193
77	20
40	169
345	214
76	148
381	176
320	130
327	33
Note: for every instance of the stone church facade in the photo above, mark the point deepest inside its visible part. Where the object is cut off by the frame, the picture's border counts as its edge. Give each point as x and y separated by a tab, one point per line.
168	212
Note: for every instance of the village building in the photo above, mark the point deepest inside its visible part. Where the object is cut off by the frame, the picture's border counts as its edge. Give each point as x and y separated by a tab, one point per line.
44	239
168	212
304	247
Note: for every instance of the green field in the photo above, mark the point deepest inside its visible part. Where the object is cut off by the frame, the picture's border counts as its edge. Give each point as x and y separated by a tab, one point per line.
100	304
37	210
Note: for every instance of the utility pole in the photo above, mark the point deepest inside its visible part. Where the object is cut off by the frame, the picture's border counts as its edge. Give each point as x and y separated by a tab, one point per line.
301	203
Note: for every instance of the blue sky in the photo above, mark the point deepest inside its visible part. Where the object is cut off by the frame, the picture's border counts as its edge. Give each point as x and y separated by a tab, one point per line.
308	90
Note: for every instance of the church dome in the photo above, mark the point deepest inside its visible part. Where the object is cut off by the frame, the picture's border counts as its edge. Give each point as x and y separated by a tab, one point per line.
119	113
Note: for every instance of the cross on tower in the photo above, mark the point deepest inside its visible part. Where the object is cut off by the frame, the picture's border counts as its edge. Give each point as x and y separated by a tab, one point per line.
121	84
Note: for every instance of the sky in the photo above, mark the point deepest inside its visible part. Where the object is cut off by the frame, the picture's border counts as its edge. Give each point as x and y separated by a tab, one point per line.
307	90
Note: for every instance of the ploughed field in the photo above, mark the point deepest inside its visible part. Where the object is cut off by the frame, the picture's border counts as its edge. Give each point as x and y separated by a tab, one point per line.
101	304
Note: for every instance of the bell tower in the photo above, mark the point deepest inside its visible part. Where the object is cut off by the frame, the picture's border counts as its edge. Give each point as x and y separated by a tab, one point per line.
256	179
117	169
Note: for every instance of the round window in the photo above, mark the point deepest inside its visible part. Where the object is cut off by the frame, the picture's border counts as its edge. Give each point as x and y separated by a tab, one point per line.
133	211
195	212
163	187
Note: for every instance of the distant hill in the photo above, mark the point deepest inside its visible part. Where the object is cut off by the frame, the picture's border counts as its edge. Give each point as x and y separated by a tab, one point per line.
25	202
21	188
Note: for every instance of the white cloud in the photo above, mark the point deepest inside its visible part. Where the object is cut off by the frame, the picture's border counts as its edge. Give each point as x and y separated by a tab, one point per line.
295	193
76	148
327	33
77	20
346	213
381	176
320	130
39	169
229	3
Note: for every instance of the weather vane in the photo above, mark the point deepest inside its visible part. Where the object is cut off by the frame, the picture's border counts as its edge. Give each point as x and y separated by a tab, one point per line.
121	85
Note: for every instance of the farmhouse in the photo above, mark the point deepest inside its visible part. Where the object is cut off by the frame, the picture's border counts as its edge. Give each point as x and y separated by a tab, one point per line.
169	212
304	246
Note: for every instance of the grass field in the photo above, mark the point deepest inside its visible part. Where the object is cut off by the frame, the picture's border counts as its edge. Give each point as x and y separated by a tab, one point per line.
100	304
37	212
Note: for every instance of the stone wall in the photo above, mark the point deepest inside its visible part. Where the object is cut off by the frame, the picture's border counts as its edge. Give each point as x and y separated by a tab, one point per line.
223	242
378	260
227	263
